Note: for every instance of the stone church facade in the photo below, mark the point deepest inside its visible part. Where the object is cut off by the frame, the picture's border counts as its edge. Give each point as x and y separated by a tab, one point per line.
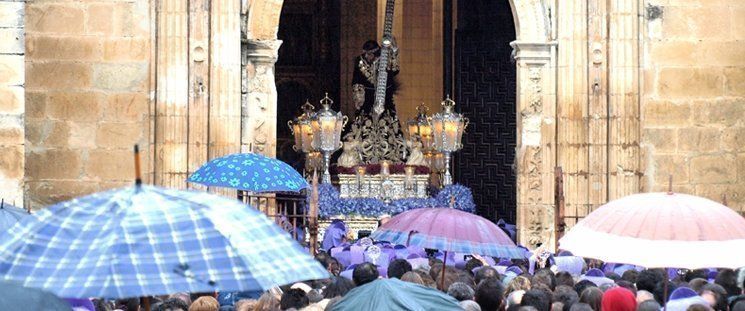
620	94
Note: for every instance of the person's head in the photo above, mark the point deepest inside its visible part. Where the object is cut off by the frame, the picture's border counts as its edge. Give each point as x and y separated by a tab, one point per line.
183	296
129	304
323	258
484	273
727	278
435	270
246	305
694	274
489	294
715	294
364	273
371	50
451	276
338	287
412	277
515	298
173	304
471	264
314	296
649	305
697	284
461	291
397	268
698	307
564	278
592	296
293	298
469	305
659	291
642	296
538	299
546	277
738	304
205	303
333	266
518	283
580	286
627	285
630	276
267	302
580	306
648	279
566	295
618	299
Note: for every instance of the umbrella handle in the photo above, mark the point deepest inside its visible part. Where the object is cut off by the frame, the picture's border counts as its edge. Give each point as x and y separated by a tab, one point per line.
408	239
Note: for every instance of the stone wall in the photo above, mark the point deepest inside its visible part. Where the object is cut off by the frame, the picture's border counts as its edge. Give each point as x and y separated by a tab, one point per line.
693	111
11	101
87	91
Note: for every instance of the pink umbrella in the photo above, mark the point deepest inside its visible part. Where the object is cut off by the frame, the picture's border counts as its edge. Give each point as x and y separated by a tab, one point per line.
660	230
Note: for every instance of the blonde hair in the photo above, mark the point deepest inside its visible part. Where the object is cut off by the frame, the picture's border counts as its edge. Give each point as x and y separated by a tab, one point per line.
518	283
246	304
267	302
205	303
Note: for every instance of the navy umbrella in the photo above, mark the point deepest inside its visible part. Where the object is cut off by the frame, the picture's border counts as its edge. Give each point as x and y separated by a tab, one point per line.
249	172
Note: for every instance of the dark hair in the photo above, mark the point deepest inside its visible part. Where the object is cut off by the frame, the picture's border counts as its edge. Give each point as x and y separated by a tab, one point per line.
613	276
627	285
728	279
294	298
370	45
461	291
720	294
649	305
538	299
648	279
582	285
592	296
698	307
365	273
397	268
630	275
485	273
581	306
323	258
659	291
737	303
697	284
696	274
102	305
129	304
473	264
171	304
338	288
489	294
564	278
545	276
566	295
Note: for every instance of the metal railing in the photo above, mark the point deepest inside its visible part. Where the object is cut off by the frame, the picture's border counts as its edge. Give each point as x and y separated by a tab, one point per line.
289	211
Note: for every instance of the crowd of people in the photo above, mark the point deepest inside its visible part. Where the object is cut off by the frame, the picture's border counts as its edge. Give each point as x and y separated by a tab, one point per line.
480	286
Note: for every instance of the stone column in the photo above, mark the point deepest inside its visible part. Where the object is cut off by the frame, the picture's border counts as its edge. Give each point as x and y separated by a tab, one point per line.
259	111
12	99
536	132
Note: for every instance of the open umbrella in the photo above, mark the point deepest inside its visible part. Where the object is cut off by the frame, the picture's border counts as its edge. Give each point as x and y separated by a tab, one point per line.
249	172
661	230
10	215
13	296
146	240
394	294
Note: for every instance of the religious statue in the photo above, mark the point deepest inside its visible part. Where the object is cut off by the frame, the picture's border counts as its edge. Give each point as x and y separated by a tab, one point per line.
379	133
350	156
416	157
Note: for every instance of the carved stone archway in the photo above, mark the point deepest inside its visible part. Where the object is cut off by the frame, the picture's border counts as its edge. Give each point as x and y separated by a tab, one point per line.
535	55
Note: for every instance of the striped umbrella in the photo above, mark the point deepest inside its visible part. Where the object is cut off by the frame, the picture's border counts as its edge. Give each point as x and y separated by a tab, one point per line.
146	240
661	230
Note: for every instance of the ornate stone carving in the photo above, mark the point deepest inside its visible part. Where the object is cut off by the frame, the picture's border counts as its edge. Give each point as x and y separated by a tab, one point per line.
259	108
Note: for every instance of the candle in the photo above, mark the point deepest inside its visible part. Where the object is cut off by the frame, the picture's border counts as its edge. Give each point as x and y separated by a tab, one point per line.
384	168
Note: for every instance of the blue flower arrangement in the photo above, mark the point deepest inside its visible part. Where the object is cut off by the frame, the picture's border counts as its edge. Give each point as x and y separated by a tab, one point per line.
330	204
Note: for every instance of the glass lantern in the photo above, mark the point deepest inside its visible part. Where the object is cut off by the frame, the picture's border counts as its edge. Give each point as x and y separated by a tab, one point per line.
301	129
447	130
420	127
327	125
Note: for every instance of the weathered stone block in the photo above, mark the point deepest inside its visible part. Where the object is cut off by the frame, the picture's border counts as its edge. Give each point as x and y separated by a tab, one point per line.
74	106
53	164
711	169
741	168
120	77
100	18
698	139
55	18
716	193
665	165
110	165
11	162
735	80
118	135
127	49
58	75
11	14
55	134
41	47
11	100
738	23
696	22
36	104
663	140
721	54
724	112
11	40
34	130
690	82
11	131
665	113
82	135
733	139
676	53
11	70
126	107
44	193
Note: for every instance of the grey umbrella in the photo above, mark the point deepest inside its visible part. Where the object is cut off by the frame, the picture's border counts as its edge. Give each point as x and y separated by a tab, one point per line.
13	296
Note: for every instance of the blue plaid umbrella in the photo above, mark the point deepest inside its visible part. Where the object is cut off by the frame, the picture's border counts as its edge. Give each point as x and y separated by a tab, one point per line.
146	240
10	215
249	172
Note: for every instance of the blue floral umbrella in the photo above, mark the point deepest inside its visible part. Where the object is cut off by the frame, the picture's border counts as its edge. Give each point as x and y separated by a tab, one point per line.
10	215
146	240
249	172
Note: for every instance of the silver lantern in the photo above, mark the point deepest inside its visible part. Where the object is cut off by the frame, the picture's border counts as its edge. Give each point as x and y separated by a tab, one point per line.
327	126
447	131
